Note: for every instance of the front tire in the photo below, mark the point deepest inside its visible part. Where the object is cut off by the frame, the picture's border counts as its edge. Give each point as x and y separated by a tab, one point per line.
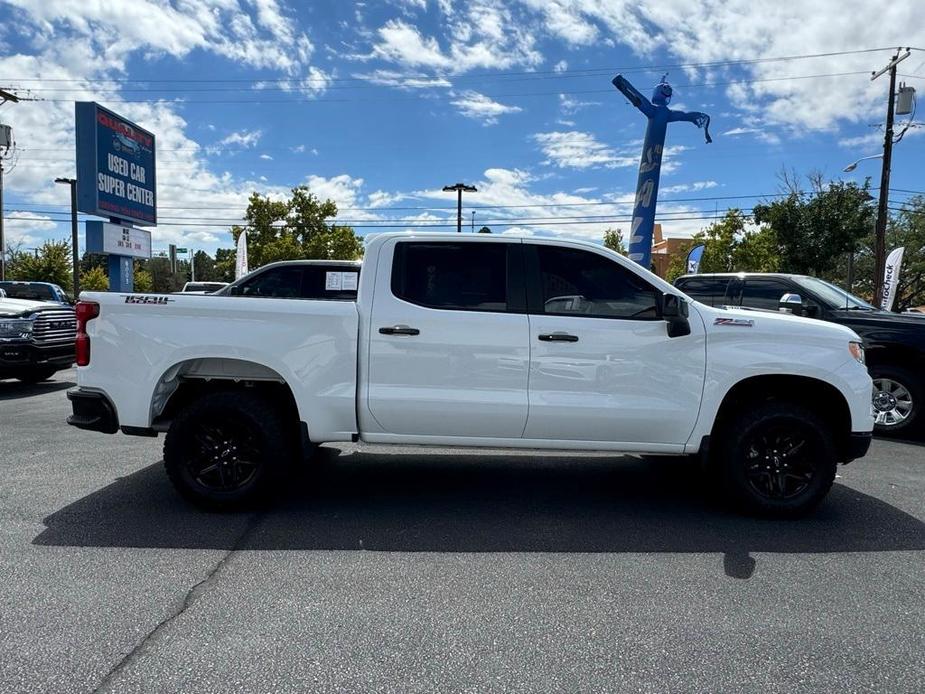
777	459
897	400
226	450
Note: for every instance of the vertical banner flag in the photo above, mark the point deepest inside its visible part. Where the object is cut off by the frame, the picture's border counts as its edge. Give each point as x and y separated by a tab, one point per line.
693	259
240	261
658	116
891	278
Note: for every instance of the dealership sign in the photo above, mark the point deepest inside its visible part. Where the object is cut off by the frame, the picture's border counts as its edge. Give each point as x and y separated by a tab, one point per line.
115	166
115	239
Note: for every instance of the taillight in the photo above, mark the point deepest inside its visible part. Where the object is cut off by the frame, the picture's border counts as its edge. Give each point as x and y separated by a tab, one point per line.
86	311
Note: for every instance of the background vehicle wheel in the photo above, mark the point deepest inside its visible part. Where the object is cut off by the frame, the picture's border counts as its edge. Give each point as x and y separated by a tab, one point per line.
777	459
226	450
897	399
36	375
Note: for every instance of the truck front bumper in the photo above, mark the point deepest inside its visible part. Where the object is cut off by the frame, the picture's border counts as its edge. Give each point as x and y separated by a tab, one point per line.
18	357
856	446
92	411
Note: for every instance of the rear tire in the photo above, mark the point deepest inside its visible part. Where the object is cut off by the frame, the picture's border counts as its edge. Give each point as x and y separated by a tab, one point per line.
777	459
227	450
36	376
897	400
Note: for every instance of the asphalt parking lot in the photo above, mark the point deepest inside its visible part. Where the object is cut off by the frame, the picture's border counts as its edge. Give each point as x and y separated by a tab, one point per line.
434	570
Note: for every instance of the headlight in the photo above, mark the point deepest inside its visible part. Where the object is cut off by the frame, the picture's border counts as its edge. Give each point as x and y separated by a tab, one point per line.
15	328
857	351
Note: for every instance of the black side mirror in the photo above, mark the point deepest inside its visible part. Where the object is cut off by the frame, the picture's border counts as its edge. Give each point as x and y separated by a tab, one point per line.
674	310
235	291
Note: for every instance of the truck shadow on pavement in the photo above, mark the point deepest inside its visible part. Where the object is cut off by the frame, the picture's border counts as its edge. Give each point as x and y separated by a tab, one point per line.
481	502
14	390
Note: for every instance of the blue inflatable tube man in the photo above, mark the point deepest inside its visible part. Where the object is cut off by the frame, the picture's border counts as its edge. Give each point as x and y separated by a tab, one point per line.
659	116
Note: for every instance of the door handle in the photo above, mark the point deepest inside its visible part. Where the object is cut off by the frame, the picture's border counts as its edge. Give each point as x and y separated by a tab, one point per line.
399	330
558	337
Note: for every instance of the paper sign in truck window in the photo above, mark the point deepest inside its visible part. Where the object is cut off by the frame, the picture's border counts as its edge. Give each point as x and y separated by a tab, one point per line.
350	281
333	281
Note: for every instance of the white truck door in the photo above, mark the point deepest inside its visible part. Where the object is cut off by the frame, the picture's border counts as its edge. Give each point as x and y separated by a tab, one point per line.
449	339
603	367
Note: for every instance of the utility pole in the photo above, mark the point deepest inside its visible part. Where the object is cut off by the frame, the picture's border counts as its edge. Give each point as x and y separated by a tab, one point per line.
6	145
472	226
883	205
459	188
72	182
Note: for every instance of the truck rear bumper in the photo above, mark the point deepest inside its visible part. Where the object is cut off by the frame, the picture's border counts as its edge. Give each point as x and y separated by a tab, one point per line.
92	411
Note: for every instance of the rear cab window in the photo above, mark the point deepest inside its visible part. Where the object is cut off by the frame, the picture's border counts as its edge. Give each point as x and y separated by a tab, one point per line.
303	281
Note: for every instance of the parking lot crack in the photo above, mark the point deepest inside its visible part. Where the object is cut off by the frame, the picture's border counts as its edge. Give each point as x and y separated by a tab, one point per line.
191	596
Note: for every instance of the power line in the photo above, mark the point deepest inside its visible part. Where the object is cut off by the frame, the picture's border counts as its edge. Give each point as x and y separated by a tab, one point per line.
451	97
438	208
704	215
482	75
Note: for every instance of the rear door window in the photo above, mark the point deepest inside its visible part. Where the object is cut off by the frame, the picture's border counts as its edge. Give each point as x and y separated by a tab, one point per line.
764	293
465	276
707	290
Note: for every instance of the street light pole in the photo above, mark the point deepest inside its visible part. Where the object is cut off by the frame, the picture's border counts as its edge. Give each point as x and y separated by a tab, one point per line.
883	204
75	260
459	188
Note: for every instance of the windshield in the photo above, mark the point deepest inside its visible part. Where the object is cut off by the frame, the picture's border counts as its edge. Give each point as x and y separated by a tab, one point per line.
203	286
32	291
833	296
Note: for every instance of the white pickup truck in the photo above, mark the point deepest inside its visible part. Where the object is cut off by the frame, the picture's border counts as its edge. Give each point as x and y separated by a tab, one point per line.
473	340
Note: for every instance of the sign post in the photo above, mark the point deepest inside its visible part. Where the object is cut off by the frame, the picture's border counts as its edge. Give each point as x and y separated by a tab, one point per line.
116	178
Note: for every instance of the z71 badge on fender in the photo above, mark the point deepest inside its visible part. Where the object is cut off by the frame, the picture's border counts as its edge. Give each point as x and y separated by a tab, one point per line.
737	322
133	299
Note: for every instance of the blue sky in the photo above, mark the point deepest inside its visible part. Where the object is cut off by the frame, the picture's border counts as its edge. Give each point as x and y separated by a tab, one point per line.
379	104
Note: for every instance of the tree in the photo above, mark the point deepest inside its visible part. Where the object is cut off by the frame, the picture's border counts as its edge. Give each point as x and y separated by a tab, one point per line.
224	264
613	239
295	228
141	279
205	267
815	230
163	280
51	262
906	229
730	246
484	230
94	280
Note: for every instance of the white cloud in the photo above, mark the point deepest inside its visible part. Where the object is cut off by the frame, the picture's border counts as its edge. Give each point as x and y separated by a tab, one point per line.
268	38
690	187
404	80
266	157
21	227
483	108
528	213
246	139
750	29
579	150
570	105
381	198
561	66
480	34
